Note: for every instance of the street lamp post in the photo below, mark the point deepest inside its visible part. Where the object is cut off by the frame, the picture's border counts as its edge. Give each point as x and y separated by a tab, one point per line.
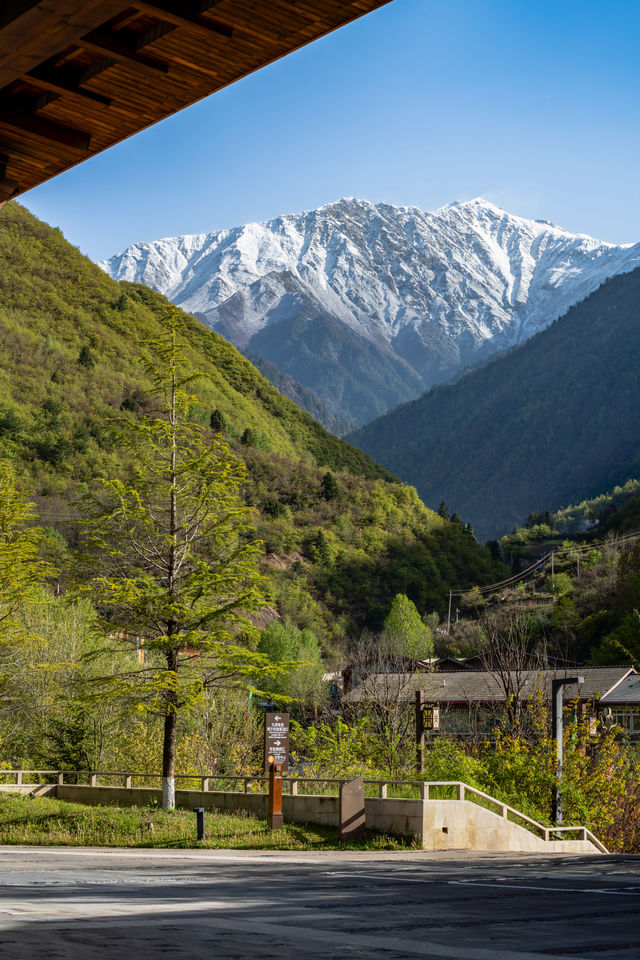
557	691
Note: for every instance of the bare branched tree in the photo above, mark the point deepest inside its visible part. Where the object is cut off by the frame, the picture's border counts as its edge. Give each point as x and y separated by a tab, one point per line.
377	661
511	655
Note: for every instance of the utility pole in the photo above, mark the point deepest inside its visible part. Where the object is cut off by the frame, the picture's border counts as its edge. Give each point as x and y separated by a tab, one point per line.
419	732
557	696
553	578
449	614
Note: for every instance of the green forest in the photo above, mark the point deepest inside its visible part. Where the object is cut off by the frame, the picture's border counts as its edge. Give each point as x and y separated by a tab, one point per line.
551	422
297	552
70	339
591	613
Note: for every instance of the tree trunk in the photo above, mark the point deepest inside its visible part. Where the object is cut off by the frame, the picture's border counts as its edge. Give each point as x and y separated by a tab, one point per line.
169	762
169	746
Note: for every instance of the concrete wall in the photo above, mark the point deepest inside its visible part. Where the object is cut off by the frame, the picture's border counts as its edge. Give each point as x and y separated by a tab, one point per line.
436	824
463	825
399	817
40	789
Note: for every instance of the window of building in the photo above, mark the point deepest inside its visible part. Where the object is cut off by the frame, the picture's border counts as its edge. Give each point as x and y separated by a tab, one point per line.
627	717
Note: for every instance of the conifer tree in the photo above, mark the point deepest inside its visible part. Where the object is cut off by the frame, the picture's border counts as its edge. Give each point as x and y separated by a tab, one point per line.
179	560
329	486
217	421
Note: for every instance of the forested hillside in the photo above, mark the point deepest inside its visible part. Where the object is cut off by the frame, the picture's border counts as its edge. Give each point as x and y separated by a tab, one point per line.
552	422
617	511
337	550
302	396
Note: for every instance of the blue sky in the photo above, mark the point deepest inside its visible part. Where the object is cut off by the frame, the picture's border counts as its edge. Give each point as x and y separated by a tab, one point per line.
531	105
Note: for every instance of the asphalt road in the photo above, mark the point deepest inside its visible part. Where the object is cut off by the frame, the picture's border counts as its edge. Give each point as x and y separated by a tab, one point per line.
81	904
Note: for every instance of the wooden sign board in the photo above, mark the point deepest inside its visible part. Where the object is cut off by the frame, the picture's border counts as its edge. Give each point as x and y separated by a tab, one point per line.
352	811
431	717
276	740
436	717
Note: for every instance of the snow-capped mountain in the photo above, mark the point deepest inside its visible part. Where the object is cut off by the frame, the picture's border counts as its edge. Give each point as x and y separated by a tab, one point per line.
370	304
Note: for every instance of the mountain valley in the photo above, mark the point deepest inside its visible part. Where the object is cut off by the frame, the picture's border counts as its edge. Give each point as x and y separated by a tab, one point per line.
551	422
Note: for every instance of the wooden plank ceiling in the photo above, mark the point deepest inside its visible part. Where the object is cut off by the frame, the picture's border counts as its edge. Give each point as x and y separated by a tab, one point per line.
77	77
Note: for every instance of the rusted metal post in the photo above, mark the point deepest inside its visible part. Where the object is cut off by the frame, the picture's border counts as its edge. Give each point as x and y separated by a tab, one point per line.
274	820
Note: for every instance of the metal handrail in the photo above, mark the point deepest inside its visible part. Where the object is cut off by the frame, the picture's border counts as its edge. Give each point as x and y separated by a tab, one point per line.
586	835
424	786
506	809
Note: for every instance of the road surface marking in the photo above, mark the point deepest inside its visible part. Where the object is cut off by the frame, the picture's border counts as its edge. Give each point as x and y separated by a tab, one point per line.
498	882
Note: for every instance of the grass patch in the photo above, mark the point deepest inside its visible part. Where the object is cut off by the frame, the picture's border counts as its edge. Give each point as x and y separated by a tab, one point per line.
44	821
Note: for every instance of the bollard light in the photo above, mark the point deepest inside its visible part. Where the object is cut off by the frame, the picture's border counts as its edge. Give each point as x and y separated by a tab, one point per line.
199	812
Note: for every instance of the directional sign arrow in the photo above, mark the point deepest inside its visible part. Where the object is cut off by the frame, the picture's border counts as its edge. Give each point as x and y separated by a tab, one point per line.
277	743
278	717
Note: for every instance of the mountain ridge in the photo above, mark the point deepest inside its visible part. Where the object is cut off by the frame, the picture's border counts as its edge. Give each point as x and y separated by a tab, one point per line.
388	301
549	422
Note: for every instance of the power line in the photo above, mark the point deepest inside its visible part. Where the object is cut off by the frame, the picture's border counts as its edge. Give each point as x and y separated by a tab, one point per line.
542	561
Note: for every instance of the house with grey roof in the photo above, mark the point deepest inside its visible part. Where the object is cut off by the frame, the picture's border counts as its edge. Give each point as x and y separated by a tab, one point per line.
623	700
471	702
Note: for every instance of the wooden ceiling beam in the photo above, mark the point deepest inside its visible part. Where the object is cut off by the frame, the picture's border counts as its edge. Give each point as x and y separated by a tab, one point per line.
114	67
181	15
42	128
43	29
14	9
8	189
57	81
110	45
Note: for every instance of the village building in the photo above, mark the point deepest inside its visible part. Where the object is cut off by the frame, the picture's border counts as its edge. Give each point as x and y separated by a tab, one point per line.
472	702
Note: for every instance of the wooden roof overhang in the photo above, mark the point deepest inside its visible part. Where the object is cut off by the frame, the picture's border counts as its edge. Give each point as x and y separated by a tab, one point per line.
77	77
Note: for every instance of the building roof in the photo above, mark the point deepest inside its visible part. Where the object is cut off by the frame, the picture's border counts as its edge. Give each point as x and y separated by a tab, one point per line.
626	691
77	76
485	686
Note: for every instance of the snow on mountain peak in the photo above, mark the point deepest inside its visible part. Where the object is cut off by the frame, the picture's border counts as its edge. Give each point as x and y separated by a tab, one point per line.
432	290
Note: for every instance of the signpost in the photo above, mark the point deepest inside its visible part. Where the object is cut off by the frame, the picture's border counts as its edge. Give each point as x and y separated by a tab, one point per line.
276	761
274	819
427	718
276	741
